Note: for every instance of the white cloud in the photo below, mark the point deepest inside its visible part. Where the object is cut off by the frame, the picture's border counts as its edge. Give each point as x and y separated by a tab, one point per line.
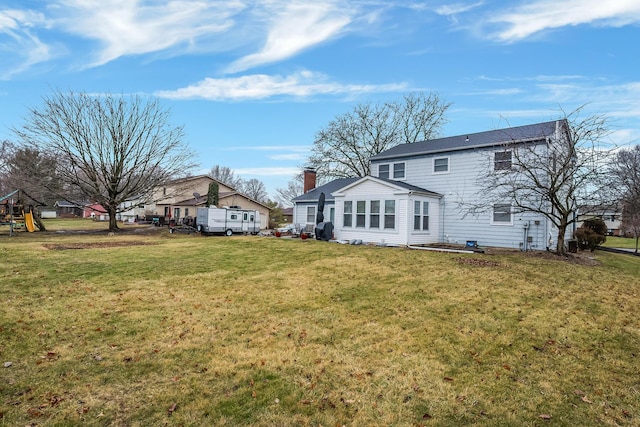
19	47
272	171
456	8
126	27
262	86
294	28
541	15
298	156
295	148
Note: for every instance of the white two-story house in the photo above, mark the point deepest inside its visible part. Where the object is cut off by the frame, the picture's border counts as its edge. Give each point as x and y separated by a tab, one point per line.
419	193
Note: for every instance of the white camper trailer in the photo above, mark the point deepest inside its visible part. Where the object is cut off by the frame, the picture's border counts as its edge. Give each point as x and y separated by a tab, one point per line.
227	220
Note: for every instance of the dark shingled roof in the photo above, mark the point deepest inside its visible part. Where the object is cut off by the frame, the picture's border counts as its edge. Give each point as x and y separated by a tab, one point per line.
337	184
534	132
327	189
409	186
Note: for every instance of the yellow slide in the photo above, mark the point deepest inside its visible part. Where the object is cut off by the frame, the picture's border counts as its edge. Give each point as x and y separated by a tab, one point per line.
28	222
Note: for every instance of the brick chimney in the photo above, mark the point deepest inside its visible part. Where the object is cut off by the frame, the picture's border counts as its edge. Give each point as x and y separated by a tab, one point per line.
309	179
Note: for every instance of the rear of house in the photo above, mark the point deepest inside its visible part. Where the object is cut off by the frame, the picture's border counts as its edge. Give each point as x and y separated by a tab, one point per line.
425	192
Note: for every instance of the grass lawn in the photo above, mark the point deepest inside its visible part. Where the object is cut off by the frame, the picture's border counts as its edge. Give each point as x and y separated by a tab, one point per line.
142	329
620	242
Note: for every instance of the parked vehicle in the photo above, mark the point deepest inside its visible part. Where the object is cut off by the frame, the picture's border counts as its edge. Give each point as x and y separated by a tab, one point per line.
227	221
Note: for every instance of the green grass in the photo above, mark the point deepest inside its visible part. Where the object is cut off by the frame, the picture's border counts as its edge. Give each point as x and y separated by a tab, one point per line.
620	242
185	330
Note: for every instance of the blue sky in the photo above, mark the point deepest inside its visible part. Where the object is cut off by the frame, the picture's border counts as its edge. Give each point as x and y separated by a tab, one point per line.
252	81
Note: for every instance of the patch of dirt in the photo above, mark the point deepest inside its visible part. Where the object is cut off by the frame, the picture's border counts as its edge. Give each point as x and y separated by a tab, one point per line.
92	245
579	258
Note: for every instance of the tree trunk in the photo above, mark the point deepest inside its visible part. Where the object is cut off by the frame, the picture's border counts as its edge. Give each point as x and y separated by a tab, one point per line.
113	224
560	249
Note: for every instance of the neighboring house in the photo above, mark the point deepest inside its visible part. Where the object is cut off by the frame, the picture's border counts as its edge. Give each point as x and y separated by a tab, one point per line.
132	210
66	209
95	211
416	192
612	217
287	215
180	198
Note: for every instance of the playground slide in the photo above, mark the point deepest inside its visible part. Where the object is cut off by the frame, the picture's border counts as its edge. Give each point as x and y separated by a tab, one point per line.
28	222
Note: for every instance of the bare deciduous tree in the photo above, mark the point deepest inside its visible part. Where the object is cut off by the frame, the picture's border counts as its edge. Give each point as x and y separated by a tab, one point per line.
255	189
112	148
552	177
34	172
344	147
295	188
626	179
226	176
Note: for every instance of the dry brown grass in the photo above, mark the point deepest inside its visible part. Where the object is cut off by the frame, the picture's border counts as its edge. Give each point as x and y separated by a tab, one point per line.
188	330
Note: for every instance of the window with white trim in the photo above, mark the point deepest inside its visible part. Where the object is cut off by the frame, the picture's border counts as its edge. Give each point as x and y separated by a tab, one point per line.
502	214
441	165
420	216
361	214
347	218
311	214
502	160
398	171
389	214
383	171
374	214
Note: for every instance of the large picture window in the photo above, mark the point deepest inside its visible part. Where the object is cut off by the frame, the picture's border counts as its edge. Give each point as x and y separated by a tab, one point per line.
389	214
347	219
502	214
502	160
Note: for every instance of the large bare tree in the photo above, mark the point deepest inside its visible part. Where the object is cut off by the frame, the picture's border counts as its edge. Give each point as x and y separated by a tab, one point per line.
626	179
552	177
294	188
35	172
255	189
111	148
226	176
343	148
